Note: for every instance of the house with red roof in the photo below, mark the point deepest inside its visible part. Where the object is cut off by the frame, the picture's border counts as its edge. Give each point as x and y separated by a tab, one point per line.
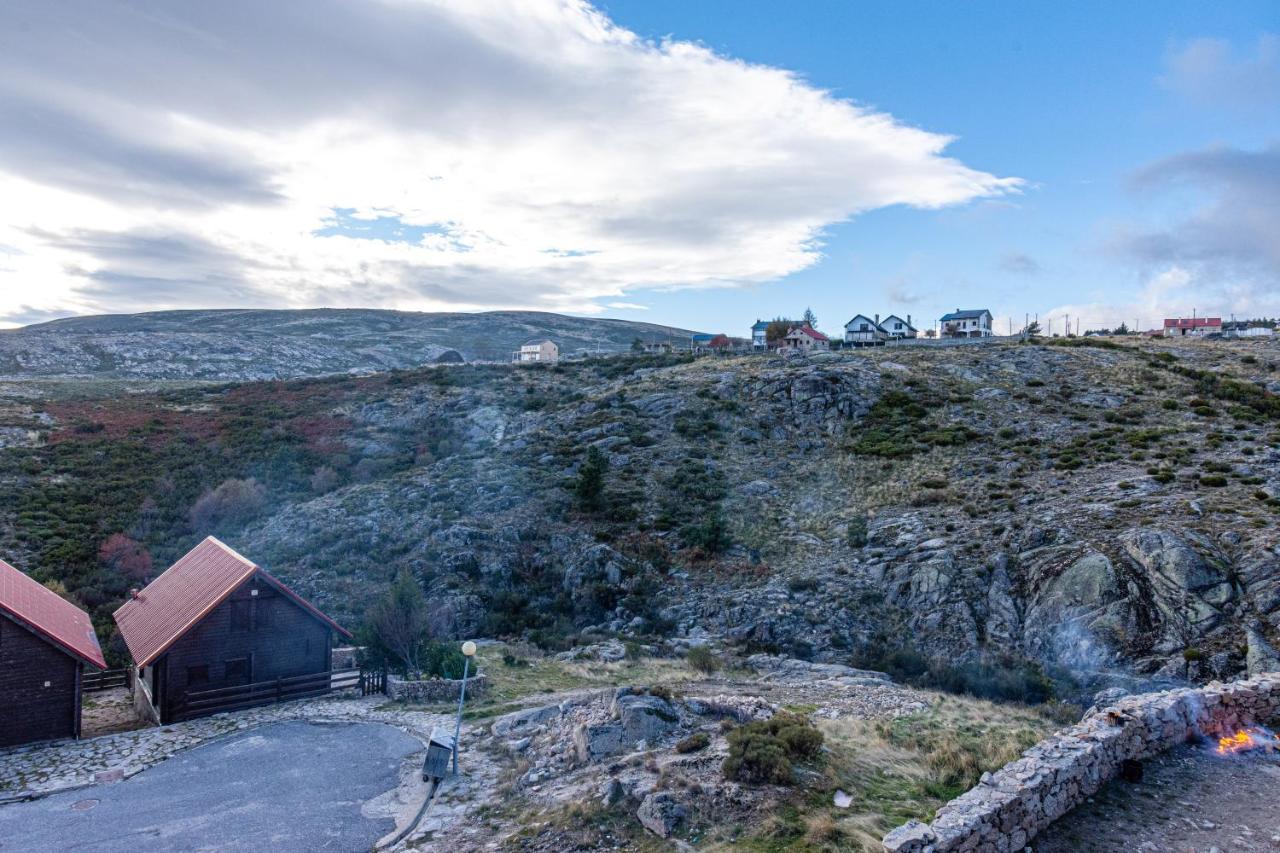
45	644
214	630
1192	326
805	338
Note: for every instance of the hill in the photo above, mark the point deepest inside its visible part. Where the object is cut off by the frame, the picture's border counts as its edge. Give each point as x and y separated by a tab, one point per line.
971	517
243	345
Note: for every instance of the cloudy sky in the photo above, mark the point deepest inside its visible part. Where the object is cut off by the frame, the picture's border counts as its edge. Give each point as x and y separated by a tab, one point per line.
694	163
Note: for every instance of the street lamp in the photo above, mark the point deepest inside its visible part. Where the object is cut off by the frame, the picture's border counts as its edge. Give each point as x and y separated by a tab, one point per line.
468	652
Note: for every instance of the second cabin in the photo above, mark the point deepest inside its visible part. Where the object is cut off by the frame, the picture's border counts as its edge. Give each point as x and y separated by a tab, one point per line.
215	621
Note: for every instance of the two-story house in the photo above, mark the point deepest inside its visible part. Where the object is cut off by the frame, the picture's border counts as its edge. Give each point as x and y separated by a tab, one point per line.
863	331
973	323
537	351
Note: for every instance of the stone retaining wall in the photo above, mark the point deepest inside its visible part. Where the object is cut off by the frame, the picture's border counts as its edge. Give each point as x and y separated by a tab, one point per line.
435	689
1007	808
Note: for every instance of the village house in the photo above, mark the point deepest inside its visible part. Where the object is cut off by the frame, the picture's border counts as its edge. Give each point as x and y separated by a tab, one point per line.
805	338
213	621
759	335
719	342
1192	327
537	351
897	328
45	644
863	331
973	323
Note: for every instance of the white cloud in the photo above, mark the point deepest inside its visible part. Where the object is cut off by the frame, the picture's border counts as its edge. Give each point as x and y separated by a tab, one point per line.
627	306
523	153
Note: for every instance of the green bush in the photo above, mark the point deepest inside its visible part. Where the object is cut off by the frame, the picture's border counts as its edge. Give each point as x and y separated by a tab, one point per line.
1215	481
857	532
762	752
703	659
693	743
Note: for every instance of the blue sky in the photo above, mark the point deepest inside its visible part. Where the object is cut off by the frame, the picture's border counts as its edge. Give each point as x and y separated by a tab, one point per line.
1072	97
698	163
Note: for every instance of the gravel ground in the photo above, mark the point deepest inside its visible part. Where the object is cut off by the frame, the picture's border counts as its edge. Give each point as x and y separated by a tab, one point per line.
1190	799
284	787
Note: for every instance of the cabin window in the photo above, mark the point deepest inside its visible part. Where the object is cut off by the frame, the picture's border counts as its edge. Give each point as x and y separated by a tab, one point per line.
198	674
236	669
240	616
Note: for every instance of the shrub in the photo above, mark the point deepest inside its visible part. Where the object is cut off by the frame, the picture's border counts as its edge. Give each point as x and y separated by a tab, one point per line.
232	503
588	489
1035	383
857	533
693	743
762	752
1215	481
1192	654
711	534
703	659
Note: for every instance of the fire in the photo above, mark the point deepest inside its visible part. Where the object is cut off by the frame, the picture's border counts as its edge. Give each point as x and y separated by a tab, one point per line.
1254	737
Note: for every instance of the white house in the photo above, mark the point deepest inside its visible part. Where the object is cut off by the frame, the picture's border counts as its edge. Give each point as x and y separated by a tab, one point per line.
974	323
896	327
537	351
863	331
759	339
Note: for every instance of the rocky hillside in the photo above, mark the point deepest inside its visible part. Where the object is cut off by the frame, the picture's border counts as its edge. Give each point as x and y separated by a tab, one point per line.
255	345
1098	510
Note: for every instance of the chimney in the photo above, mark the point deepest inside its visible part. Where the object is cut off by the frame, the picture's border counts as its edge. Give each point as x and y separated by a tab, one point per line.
908	319
135	593
877	319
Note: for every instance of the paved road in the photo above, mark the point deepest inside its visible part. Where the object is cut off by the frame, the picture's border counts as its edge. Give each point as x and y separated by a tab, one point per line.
284	787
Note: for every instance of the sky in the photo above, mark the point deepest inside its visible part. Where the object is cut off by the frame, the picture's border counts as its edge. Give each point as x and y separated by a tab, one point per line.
700	163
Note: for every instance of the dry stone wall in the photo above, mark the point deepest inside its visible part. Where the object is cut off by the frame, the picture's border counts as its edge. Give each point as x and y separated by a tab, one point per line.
1007	808
435	689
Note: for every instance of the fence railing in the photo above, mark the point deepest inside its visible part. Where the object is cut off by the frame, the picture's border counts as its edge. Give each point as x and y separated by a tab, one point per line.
108	679
201	703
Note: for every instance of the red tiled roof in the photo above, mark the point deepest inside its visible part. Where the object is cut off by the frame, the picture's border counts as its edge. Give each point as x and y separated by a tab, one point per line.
49	615
187	591
1192	322
813	333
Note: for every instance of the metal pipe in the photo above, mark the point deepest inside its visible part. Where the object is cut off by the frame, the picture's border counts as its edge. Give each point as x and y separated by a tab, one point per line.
462	697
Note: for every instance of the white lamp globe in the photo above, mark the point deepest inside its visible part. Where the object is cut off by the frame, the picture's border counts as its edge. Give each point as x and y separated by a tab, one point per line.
469	648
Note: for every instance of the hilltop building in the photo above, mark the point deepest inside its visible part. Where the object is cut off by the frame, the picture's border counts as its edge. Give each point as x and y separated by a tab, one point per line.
863	331
1192	327
537	351
759	339
897	328
972	323
805	338
45	644
216	621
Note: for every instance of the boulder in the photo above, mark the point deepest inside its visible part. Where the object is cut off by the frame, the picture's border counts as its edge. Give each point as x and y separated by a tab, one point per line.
661	813
1261	656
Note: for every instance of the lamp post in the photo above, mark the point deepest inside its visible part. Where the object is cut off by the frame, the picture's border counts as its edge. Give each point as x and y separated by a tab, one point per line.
468	652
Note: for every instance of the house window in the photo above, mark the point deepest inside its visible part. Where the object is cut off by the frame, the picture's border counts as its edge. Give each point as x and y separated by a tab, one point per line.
198	674
240	616
236	669
862	328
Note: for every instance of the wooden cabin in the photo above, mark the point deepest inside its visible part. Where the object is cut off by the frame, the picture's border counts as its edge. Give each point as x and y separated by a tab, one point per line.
216	621
45	644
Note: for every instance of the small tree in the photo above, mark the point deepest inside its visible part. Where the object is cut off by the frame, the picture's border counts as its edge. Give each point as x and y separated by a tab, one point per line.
232	503
1032	330
809	319
1122	329
398	622
776	330
637	345
589	487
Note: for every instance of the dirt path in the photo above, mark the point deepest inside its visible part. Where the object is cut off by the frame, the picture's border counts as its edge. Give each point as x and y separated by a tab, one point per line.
1189	800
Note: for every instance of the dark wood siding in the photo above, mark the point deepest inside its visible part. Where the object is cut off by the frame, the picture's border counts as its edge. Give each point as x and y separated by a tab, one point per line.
30	711
247	638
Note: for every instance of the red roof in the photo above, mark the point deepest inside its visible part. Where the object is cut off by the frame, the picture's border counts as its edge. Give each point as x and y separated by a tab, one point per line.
50	615
187	592
812	332
1192	322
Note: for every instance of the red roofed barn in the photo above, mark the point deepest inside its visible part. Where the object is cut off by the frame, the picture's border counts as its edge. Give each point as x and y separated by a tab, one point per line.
45	643
1183	326
216	621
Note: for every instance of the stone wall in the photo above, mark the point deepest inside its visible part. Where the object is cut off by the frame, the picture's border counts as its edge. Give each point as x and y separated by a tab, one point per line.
1007	808
435	689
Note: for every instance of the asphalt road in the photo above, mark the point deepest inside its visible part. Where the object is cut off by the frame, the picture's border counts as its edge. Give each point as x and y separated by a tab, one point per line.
283	787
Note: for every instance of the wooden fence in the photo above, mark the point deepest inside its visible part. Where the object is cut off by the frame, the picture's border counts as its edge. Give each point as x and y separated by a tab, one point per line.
108	679
202	703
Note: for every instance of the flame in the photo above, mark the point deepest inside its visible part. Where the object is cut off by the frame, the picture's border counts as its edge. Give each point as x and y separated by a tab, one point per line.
1254	737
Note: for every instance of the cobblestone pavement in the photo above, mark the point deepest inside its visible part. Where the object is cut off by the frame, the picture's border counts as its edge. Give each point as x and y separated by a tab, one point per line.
38	770
107	712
